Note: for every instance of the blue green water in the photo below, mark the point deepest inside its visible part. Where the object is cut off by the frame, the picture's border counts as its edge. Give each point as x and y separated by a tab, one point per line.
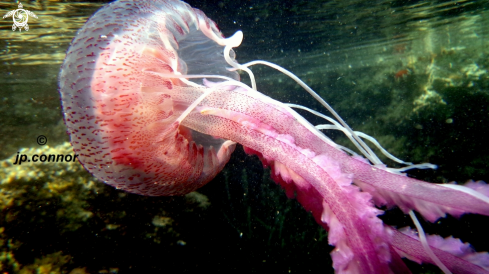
411	74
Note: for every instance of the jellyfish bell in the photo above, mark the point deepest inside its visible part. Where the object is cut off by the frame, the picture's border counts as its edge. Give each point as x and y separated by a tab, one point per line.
126	80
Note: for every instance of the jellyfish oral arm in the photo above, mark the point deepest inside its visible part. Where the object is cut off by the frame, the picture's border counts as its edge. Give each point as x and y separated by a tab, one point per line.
304	162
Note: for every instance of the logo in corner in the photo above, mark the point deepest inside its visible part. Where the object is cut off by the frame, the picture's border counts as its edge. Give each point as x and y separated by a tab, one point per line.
20	16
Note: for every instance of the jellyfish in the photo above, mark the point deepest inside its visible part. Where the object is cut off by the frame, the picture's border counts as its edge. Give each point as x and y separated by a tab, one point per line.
153	104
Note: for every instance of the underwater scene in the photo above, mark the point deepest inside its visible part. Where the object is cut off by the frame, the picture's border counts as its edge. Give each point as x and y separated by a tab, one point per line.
411	74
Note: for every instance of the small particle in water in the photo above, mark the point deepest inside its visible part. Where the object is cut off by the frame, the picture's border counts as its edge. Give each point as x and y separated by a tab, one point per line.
449	121
180	242
79	270
160	221
418	126
103	36
112	226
